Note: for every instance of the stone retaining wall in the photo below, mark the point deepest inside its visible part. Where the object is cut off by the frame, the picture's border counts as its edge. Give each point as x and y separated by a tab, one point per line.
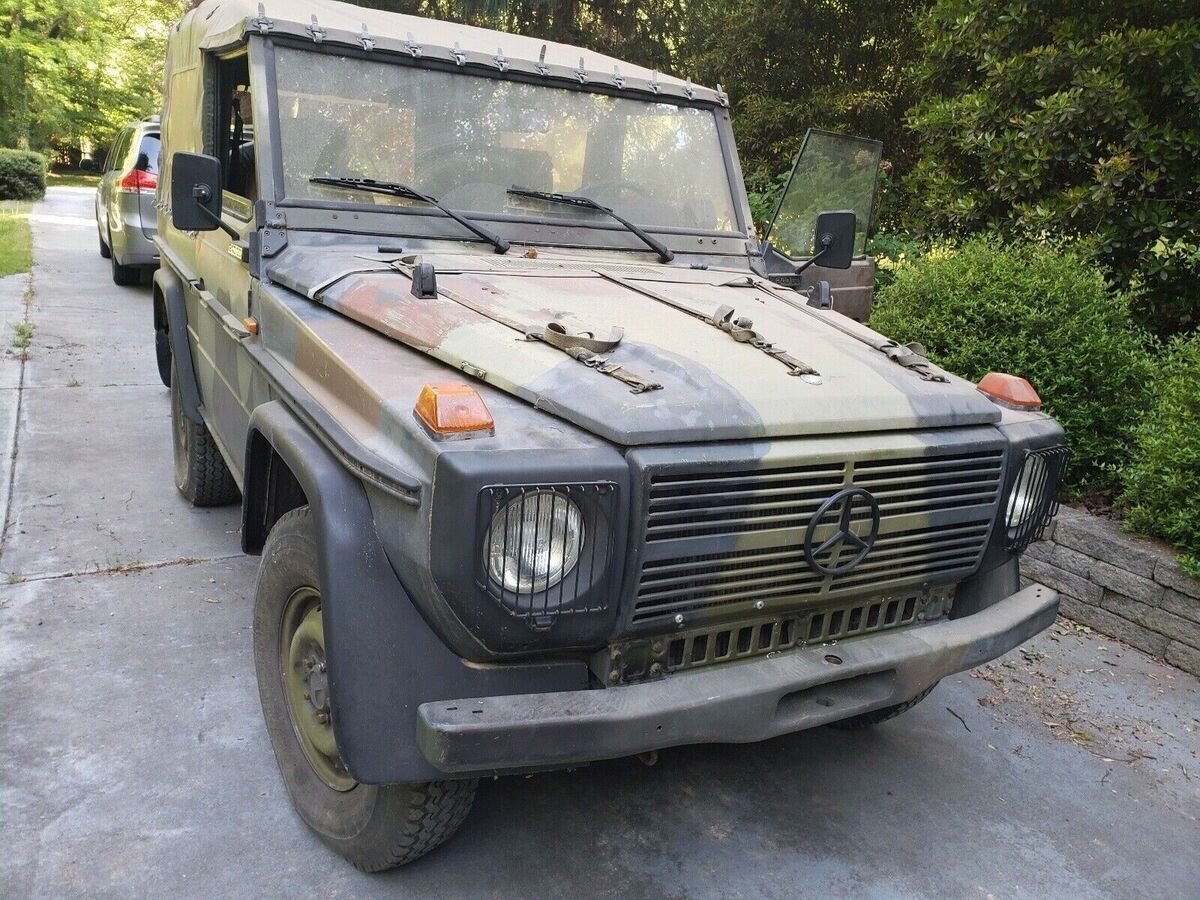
1119	585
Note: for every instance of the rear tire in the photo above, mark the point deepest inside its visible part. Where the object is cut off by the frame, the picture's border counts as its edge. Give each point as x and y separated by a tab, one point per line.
122	275
200	471
876	716
374	826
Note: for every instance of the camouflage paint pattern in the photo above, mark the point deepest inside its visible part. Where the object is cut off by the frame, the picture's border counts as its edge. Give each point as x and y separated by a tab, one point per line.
340	319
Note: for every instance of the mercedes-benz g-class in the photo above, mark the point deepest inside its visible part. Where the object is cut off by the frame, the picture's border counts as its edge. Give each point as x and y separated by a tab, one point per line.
549	458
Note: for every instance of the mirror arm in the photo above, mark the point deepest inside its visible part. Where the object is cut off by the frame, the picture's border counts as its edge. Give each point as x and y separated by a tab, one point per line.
826	241
201	192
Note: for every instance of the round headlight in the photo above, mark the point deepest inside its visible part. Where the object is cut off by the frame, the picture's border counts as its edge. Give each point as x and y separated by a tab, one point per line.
1027	492
534	541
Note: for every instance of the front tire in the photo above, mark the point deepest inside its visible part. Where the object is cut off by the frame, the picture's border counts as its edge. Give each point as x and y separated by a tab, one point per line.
374	826
105	253
200	471
876	716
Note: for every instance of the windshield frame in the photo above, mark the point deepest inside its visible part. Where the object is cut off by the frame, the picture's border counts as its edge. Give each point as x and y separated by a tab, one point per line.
543	230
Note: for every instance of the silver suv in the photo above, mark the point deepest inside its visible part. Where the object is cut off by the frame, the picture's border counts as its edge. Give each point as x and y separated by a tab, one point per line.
126	219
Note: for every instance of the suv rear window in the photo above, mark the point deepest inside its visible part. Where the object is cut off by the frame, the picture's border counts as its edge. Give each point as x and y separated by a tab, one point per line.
148	152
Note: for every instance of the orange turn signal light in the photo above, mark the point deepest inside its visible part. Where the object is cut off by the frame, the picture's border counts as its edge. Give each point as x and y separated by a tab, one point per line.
1010	390
450	408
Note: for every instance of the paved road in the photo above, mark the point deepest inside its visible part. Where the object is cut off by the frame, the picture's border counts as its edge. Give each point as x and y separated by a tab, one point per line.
133	761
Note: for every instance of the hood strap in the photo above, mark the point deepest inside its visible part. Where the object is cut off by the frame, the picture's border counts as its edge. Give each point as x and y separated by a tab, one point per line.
579	345
911	355
725	318
559	334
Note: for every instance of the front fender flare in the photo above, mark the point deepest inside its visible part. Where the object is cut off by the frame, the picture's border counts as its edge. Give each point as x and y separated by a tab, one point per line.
170	286
384	661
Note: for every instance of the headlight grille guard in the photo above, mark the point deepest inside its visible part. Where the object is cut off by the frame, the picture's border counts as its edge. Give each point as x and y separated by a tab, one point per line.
584	589
1048	482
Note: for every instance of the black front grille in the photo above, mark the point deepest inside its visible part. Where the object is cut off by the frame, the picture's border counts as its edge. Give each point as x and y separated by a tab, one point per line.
722	644
730	542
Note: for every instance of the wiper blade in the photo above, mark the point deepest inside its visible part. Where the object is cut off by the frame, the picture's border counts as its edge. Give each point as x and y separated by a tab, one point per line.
395	189
664	252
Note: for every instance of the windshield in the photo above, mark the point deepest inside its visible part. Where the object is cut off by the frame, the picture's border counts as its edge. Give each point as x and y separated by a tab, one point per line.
466	140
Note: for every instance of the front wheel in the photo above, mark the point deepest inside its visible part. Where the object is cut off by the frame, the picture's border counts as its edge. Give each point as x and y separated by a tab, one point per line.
876	716
374	826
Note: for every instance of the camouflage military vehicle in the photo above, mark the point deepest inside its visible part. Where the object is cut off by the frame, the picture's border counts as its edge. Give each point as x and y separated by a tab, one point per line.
548	458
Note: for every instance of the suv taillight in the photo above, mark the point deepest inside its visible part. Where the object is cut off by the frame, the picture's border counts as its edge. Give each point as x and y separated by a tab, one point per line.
136	180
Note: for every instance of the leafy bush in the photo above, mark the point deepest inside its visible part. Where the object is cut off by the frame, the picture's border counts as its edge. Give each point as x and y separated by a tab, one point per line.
1162	484
22	175
1044	313
1078	120
892	250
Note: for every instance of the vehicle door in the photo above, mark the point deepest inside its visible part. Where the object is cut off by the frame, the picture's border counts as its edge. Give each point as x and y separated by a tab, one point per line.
146	162
222	295
831	172
107	189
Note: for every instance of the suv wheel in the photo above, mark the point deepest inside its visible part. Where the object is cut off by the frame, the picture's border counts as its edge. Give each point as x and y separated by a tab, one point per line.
374	826
866	720
105	253
122	275
200	471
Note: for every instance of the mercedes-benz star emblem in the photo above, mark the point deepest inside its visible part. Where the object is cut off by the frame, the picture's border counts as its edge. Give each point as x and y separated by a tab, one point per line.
856	514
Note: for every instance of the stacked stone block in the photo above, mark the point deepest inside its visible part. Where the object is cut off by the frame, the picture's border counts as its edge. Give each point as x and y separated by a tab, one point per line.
1119	585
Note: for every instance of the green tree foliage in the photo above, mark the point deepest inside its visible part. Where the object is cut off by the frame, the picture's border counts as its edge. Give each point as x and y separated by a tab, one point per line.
1162	485
788	66
74	71
1046	314
1043	117
641	31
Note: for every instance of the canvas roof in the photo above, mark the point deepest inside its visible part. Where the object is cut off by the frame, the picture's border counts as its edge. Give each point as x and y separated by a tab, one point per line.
221	23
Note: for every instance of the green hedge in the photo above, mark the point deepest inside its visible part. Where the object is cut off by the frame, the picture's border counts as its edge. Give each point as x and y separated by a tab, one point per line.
1162	483
1045	313
22	175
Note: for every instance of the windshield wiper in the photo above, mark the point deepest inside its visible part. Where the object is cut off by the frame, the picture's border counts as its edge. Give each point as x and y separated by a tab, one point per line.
663	251
396	189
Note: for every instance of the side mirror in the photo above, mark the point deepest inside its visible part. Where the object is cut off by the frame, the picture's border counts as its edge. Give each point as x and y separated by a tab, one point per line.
833	239
195	192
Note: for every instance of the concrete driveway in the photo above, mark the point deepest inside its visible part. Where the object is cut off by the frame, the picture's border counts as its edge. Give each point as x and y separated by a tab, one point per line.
133	761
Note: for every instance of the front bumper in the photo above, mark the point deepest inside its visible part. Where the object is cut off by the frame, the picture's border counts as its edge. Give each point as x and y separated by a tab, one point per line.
733	703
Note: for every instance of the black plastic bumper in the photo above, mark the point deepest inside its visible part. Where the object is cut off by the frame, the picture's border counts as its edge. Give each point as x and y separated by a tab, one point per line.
733	703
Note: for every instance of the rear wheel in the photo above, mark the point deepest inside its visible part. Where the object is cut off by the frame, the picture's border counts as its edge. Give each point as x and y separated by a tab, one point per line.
876	716
200	471
374	826
122	275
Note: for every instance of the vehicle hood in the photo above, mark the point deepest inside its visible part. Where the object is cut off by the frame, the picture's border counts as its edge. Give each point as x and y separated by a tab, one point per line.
713	387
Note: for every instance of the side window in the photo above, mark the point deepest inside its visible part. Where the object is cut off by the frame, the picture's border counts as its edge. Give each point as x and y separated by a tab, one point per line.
119	150
148	153
234	139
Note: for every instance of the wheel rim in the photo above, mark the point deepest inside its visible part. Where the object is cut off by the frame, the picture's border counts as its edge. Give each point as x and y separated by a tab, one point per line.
306	685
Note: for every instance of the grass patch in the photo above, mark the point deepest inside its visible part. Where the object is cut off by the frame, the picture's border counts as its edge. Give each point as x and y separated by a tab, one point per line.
22	335
16	245
71	179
